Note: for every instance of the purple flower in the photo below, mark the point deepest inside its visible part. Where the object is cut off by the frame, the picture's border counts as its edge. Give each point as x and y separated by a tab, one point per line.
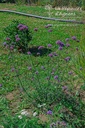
29	53
13	69
40	47
4	43
50	30
29	68
38	53
35	29
36	72
48	25
73	37
42	67
16	36
67	39
50	55
49	112
49	45
67	45
60	48
52	73
56	77
64	88
70	73
0	85
60	43
22	27
77	48
7	38
80	68
11	47
67	59
17	39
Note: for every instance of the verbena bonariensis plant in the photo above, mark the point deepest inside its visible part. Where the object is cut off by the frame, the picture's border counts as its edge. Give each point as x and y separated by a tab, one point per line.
18	36
51	82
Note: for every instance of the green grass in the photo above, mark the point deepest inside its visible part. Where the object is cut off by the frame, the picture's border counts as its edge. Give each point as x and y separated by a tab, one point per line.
10	108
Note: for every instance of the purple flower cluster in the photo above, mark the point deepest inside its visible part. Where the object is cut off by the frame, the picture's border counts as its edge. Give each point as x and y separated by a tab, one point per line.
74	38
64	88
17	38
40	47
49	112
49	45
22	27
67	59
4	44
35	29
0	85
7	38
60	43
52	54
29	53
56	77
50	30
48	25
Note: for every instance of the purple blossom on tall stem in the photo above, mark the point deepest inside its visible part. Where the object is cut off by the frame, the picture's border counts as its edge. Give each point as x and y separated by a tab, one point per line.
56	77
38	53
67	45
48	25
74	38
4	44
29	68
64	88
60	48
50	30
17	39
13	69
49	112
77	48
36	72
49	45
50	55
40	47
29	53
11	47
42	67
16	36
0	85
70	73
35	29
67	59
60	43
67	39
7	38
22	27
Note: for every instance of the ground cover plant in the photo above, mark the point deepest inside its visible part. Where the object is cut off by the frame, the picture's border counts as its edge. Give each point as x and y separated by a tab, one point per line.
43	88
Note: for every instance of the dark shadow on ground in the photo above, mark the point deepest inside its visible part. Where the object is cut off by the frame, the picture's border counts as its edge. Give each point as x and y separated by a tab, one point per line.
39	52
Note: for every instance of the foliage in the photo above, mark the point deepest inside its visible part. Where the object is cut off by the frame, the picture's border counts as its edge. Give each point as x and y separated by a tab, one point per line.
17	36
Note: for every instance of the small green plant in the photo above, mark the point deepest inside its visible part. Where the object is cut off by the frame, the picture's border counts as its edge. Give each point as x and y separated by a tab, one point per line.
17	36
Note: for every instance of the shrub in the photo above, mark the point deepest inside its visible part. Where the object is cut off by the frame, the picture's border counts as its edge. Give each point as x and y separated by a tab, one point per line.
17	36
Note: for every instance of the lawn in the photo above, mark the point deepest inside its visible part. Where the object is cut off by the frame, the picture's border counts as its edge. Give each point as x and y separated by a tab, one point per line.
45	86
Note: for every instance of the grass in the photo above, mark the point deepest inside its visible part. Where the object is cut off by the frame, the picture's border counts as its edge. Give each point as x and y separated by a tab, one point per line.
68	107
